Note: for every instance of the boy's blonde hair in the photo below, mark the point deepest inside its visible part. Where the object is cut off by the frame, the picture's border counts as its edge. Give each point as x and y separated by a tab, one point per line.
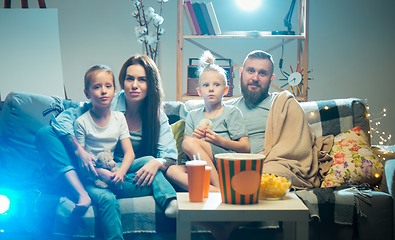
206	63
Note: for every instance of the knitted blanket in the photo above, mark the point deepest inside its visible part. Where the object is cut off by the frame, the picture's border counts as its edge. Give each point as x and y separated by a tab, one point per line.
290	144
338	204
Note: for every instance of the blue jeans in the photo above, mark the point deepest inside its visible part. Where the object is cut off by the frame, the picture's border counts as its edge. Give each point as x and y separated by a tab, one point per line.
60	160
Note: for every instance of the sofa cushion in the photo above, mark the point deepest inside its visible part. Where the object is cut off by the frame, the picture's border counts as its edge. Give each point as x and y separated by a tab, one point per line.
178	131
332	117
354	160
139	215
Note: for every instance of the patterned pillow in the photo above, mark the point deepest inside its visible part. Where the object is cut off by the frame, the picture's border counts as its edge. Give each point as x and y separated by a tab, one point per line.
354	160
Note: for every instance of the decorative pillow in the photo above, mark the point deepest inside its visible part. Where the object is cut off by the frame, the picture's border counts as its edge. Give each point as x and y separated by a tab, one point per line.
178	131
354	160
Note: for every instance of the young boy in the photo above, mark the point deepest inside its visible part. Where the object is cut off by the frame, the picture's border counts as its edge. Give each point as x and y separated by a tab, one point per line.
228	133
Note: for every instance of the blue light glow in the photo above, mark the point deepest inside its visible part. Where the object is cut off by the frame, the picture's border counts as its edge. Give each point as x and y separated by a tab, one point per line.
4	204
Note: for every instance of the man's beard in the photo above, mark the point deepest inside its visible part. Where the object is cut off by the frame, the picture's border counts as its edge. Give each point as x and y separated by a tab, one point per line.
253	97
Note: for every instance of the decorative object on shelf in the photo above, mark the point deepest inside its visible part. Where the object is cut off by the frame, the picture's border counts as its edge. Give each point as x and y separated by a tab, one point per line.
148	30
287	22
201	18
294	79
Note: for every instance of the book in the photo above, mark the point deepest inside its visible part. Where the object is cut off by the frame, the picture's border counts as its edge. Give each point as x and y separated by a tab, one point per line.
200	18
213	17
207	18
189	20
193	17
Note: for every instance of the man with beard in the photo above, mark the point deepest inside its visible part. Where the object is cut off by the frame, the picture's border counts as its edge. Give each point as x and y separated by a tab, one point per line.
277	127
256	74
276	124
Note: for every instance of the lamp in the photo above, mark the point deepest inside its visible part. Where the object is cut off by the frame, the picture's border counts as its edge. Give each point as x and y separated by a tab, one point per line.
287	22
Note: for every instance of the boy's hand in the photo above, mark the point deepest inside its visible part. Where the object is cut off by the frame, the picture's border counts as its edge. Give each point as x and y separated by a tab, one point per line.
199	132
213	137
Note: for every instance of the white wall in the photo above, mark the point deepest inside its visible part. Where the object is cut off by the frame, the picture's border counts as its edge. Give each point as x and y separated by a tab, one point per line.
351	47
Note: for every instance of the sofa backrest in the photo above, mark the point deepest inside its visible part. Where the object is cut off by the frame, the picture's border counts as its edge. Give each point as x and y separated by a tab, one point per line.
326	117
331	117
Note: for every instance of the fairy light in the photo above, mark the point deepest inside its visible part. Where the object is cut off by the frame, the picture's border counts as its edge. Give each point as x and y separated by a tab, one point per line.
377	134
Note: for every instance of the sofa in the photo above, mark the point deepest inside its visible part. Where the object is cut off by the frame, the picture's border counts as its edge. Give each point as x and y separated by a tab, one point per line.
42	208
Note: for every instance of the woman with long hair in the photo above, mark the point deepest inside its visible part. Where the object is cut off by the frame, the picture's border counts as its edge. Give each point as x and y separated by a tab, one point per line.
152	141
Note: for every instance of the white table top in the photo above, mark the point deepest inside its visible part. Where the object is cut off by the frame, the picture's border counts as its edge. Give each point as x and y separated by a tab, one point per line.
290	208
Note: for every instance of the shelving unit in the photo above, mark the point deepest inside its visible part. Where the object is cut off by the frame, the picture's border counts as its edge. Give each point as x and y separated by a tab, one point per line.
301	37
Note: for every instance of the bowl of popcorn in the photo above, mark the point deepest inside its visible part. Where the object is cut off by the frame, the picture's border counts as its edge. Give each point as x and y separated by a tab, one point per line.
274	187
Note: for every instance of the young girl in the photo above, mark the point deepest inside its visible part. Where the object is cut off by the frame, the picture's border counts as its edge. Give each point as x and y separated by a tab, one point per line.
228	133
100	128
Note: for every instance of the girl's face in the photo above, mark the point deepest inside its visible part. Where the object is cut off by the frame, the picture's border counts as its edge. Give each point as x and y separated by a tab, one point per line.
101	90
212	87
135	84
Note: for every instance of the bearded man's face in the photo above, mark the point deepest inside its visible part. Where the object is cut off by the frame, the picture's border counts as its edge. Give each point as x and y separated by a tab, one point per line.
255	79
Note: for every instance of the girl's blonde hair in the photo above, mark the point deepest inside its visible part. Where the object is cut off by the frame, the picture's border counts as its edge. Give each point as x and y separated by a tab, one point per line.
206	63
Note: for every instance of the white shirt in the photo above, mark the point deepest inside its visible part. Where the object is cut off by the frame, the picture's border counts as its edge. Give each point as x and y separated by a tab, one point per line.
96	139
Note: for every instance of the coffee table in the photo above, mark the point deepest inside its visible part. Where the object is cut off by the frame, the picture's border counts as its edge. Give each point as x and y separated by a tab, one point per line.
290	210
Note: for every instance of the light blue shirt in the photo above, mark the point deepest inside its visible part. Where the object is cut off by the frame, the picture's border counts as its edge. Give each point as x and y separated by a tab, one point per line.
64	125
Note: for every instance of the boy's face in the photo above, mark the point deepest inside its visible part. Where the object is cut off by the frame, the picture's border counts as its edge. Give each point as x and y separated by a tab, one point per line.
101	90
212	87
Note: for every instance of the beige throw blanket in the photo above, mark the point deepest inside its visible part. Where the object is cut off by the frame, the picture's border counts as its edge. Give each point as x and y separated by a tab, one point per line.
290	143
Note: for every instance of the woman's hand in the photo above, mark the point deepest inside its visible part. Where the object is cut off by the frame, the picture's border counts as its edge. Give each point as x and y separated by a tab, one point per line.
146	174
86	163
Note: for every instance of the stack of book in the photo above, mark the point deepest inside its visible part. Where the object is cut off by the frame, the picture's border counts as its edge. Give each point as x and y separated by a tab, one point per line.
201	18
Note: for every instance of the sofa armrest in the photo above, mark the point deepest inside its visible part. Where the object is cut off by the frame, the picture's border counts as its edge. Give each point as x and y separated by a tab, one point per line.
389	175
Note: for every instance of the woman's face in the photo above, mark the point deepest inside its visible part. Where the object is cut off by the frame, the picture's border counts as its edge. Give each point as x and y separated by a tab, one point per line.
135	84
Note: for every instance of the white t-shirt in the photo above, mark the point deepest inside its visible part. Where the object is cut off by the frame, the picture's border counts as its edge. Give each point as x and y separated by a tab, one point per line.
96	139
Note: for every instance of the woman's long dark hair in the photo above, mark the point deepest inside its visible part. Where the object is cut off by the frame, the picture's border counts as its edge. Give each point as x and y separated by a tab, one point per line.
150	107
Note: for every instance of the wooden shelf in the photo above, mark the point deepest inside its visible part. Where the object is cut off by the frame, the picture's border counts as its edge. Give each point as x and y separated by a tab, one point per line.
301	37
262	35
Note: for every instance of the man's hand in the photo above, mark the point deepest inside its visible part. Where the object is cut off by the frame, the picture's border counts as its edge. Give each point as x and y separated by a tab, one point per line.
146	174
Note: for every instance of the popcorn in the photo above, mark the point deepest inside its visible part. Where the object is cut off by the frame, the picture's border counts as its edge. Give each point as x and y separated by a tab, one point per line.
273	186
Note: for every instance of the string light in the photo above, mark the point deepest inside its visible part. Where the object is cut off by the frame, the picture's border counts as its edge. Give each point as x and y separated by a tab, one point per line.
378	136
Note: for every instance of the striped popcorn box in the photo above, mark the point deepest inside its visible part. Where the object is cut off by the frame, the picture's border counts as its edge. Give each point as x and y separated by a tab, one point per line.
240	177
